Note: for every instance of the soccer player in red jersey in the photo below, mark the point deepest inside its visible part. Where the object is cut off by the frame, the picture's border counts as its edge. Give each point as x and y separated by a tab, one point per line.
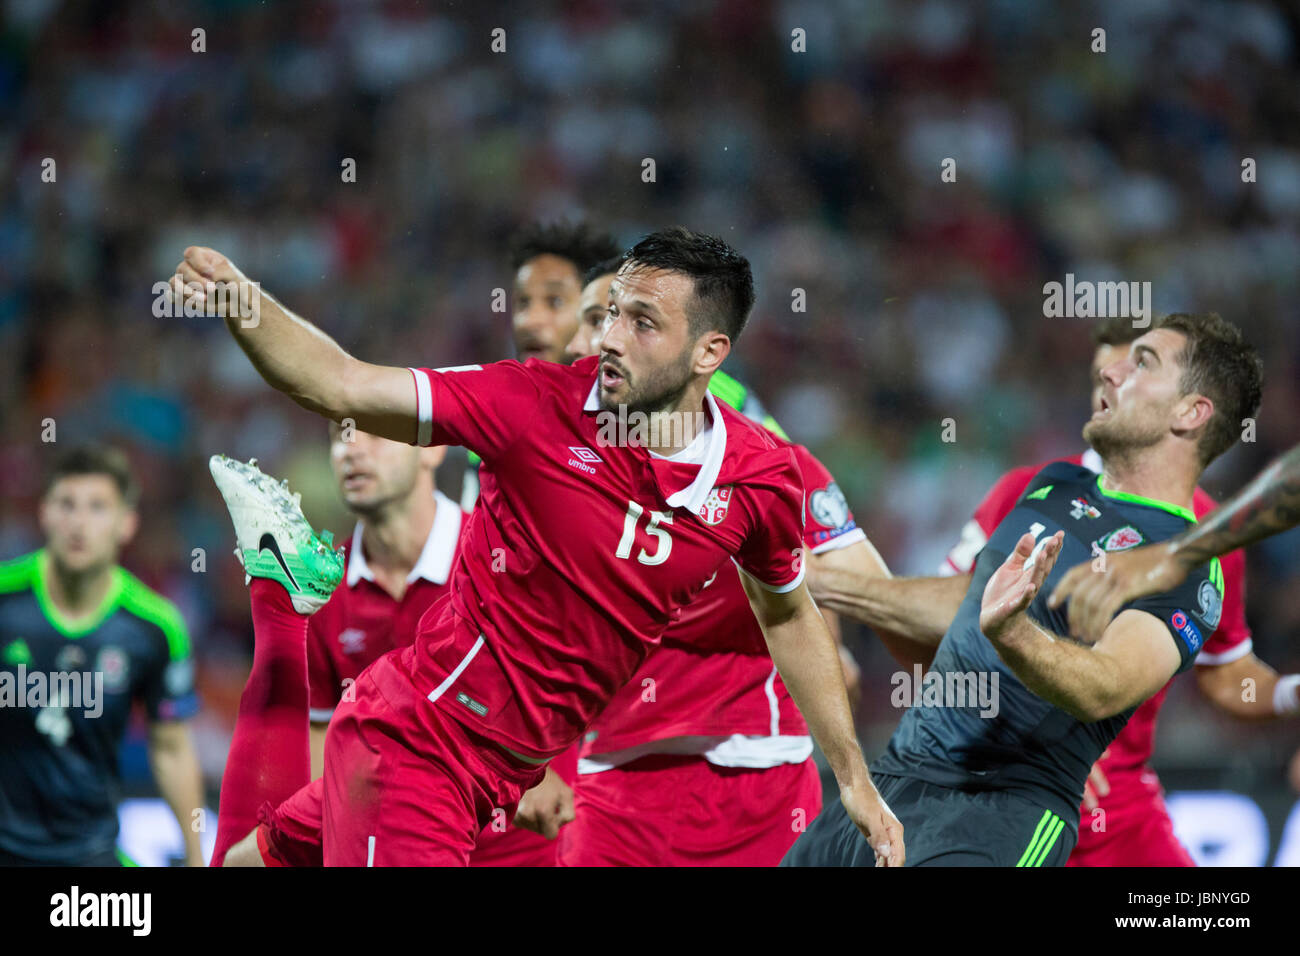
702	757
391	487
1123	817
549	262
586	544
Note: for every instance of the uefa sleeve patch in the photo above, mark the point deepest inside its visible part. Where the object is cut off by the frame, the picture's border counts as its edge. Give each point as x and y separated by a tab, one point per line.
831	509
1186	628
1211	604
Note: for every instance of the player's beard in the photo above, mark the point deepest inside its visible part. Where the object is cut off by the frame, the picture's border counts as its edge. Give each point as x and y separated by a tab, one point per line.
658	390
1118	441
391	486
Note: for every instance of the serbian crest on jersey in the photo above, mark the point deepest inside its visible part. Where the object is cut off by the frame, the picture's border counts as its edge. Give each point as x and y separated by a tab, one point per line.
715	506
1121	539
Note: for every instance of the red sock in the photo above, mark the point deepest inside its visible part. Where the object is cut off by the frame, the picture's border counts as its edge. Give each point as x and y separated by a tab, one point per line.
270	757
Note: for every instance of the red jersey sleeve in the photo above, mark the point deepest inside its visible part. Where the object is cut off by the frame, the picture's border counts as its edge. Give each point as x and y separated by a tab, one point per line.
773	553
997	504
323	684
829	522
1231	639
482	407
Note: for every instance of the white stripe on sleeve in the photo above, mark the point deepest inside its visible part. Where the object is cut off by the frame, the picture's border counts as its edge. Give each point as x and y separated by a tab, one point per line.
423	407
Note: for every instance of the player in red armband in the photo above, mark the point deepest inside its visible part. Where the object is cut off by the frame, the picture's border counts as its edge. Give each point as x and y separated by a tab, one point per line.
585	545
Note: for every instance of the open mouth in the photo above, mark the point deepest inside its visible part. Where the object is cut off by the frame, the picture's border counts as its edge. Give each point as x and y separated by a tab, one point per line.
610	378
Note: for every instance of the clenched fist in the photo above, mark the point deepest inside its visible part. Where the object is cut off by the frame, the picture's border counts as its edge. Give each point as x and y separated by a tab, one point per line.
208	283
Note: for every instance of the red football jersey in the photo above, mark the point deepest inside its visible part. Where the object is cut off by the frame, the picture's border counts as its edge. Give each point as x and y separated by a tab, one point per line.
1133	747
710	687
583	551
361	621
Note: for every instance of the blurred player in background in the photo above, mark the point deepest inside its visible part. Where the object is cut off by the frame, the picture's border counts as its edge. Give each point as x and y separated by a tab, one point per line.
397	565
549	260
702	757
522	658
996	780
1124	821
83	627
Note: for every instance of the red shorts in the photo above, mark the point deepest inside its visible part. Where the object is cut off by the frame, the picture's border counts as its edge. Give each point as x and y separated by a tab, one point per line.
503	844
291	834
683	811
511	846
1137	832
404	784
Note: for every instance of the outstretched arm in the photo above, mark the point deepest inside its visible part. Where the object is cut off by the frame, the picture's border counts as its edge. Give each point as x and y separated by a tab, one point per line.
909	615
1133	660
293	355
805	656
1266	506
1248	688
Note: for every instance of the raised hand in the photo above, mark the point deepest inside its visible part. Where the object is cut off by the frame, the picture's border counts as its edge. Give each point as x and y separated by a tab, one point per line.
1013	586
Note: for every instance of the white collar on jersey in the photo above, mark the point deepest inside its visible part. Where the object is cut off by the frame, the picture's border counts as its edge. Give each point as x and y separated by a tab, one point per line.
1092	461
693	496
434	564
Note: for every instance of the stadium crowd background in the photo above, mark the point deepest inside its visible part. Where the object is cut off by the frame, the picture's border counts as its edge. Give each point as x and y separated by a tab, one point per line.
924	298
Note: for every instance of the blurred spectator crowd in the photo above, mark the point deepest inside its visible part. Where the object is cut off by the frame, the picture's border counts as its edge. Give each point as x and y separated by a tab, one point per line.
924	298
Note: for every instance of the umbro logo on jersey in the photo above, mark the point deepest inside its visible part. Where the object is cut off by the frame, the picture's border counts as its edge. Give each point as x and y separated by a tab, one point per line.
1081	507
583	458
268	543
353	640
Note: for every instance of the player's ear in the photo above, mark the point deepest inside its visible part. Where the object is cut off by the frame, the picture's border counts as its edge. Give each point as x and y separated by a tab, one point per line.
710	351
1194	411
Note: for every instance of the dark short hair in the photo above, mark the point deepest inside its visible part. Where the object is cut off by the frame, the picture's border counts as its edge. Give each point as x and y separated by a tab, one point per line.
96	460
576	242
724	284
1220	364
1115	330
604	267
